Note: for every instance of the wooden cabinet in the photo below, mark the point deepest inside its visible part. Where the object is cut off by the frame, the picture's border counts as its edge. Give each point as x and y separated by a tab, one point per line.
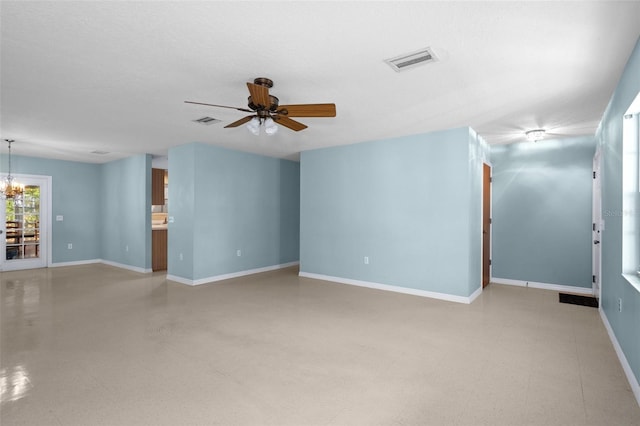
157	186
159	249
158	236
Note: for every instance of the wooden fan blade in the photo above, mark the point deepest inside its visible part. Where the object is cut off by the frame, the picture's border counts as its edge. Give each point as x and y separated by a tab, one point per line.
308	110
240	122
219	106
287	122
259	95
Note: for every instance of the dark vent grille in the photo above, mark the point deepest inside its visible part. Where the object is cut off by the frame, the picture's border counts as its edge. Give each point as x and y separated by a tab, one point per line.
413	61
207	120
410	60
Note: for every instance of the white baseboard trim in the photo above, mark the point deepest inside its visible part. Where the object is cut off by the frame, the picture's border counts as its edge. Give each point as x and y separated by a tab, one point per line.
105	262
215	278
544	286
179	279
125	266
635	386
386	287
75	263
475	294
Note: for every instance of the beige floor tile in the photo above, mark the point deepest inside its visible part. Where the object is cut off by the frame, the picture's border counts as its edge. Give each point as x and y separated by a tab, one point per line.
97	345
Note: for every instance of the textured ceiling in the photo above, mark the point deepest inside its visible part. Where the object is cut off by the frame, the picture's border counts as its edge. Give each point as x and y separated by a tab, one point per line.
113	76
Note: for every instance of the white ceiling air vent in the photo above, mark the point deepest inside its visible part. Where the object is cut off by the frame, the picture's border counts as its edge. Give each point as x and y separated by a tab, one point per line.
99	152
413	59
207	120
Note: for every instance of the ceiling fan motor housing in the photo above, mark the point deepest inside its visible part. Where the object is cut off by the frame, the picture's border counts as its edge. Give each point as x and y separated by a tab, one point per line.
272	100
263	81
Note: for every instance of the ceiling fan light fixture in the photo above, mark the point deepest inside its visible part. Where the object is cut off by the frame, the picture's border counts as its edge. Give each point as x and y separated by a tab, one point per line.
270	127
254	126
535	135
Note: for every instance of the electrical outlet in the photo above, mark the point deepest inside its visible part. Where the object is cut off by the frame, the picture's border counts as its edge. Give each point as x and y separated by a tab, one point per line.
126	248
181	256
59	218
366	260
238	253
69	246
619	304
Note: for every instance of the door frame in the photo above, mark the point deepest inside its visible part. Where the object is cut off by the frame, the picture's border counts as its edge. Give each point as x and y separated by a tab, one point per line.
490	166
597	225
45	220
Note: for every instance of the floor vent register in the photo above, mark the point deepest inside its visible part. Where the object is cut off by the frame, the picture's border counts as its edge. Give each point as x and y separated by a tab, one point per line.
576	299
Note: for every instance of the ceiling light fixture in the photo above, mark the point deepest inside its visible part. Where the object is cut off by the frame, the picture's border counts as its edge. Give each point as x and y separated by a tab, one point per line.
270	127
535	135
9	188
254	126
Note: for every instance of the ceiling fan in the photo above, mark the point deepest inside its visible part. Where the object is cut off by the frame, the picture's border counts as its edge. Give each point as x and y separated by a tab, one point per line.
266	110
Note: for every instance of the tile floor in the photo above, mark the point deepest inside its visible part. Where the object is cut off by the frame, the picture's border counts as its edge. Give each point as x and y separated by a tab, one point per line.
97	345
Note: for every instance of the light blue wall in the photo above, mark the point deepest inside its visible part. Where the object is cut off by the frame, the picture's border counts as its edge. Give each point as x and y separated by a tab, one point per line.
182	205
542	211
625	324
105	208
404	203
223	201
74	196
126	211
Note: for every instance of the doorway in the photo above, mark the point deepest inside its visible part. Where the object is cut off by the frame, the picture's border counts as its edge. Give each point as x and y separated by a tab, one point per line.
24	226
597	224
486	225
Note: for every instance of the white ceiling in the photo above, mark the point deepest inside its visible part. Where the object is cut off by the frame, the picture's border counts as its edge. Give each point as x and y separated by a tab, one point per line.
113	76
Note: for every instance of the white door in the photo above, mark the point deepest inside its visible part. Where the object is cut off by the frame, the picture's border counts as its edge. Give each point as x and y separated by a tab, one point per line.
24	242
597	224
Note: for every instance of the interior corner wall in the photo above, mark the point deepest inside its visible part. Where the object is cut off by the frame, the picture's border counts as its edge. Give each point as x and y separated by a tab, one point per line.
125	202
625	324
227	202
403	203
542	211
75	198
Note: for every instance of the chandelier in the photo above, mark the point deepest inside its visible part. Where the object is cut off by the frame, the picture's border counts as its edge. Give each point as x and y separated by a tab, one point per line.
9	188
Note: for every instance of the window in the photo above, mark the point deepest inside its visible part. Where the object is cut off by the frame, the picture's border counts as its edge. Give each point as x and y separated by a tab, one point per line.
631	194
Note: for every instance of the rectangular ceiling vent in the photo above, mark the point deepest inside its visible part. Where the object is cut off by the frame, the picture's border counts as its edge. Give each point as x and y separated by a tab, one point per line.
207	120
99	152
413	59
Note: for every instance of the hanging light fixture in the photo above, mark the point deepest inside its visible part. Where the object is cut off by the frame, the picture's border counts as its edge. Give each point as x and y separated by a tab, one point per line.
254	126
9	188
270	126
